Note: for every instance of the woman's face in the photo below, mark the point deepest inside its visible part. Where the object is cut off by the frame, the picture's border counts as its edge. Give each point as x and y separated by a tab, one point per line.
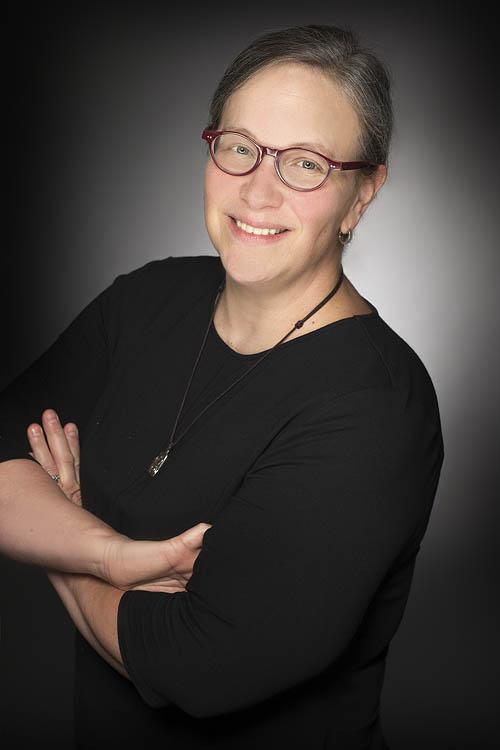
279	107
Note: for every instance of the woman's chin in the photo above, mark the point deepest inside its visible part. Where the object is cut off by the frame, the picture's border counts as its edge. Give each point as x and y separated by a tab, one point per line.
243	267
245	276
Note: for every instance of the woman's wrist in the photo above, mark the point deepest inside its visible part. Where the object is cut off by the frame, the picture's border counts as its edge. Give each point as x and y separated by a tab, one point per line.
40	526
99	546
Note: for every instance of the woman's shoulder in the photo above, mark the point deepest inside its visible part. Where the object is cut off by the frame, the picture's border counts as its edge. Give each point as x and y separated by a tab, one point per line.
363	366
396	370
164	282
171	270
399	358
364	351
156	290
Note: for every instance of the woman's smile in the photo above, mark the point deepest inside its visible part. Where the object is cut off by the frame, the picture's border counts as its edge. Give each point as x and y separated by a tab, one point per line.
248	233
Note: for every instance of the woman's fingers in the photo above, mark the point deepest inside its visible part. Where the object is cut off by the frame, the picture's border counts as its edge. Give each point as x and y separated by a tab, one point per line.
71	431
57	452
59	447
40	450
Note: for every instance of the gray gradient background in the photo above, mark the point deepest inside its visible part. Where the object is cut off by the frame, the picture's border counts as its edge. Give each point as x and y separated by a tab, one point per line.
106	98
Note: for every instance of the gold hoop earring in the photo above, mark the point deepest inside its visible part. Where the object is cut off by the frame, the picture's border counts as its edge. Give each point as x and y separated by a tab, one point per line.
345	237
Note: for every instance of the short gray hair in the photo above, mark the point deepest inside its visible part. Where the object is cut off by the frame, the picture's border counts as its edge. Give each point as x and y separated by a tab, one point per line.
336	52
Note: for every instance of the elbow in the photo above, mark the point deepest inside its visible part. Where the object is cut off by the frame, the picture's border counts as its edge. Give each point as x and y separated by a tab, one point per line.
197	704
198	699
220	694
205	688
194	705
205	707
151	697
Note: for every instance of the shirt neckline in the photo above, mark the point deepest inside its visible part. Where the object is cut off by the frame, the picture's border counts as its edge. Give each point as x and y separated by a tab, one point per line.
317	331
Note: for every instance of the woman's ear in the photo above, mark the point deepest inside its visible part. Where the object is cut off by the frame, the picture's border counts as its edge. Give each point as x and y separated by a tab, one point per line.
368	187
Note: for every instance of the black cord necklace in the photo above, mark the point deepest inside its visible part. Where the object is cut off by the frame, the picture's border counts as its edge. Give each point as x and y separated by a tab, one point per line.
160	459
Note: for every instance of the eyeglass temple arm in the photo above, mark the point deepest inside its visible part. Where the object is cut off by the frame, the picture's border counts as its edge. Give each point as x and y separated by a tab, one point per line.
345	165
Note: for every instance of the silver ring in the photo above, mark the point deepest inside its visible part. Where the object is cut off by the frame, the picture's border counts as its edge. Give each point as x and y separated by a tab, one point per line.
55	477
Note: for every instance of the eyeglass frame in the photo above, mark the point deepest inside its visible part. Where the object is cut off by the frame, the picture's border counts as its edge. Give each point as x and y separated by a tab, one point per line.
210	136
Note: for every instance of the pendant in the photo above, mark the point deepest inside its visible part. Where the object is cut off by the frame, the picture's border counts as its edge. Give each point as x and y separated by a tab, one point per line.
158	462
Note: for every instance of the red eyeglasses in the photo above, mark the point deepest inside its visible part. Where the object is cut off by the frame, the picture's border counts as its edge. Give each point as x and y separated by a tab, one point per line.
238	154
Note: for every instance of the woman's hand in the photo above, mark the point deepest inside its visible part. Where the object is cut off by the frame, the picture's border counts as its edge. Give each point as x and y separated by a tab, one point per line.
166	565
60	456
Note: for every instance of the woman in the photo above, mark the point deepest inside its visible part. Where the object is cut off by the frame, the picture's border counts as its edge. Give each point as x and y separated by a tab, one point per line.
257	403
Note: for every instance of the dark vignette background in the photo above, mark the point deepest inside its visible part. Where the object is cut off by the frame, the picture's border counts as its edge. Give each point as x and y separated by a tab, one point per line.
107	105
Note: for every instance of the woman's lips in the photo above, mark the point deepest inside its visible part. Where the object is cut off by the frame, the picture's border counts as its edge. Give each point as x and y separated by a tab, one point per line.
254	238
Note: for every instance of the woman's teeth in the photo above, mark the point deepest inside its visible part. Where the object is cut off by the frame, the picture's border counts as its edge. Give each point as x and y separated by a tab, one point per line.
255	230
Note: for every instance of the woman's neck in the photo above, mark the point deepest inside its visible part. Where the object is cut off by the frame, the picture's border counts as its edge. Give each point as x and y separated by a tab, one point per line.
249	326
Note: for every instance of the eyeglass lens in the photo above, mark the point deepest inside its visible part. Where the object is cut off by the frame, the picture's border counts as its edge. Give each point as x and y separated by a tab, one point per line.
299	167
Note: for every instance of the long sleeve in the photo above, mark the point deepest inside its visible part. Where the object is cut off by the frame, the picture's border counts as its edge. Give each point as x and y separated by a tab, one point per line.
290	566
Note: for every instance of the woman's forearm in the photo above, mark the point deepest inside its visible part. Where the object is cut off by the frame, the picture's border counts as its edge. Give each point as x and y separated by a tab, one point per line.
65	585
39	525
58	581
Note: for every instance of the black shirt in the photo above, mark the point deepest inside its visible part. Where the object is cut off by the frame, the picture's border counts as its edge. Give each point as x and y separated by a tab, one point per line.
318	471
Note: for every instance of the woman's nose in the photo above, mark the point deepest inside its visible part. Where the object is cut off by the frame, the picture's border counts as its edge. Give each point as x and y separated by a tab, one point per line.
263	186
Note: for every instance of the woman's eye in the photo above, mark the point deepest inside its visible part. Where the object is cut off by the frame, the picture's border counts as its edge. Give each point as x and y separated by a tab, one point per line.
243	150
310	165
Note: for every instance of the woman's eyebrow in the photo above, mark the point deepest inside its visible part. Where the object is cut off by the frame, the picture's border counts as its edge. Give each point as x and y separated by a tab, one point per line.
313	146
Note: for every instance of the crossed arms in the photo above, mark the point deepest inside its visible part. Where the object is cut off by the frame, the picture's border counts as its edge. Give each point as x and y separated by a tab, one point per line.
283	578
44	523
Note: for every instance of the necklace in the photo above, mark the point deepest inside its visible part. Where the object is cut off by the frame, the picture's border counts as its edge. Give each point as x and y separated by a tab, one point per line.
160	459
